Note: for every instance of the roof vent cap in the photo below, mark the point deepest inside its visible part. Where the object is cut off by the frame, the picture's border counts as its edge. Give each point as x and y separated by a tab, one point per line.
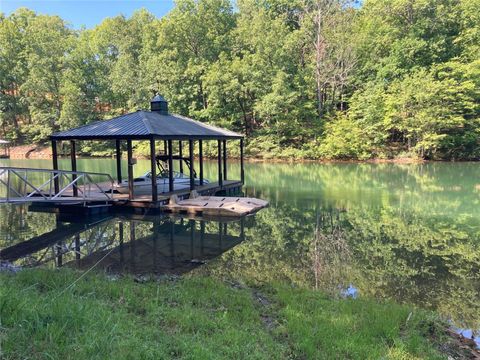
159	104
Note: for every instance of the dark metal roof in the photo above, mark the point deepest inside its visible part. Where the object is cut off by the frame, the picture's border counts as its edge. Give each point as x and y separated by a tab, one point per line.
146	125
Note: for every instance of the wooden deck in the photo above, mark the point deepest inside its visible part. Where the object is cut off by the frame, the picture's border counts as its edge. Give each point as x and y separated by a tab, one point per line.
97	199
228	186
215	205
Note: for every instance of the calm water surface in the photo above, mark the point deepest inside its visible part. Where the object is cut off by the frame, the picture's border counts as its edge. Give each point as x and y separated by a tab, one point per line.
405	232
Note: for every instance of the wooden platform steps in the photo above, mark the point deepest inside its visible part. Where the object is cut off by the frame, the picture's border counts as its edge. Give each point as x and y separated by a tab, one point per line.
214	205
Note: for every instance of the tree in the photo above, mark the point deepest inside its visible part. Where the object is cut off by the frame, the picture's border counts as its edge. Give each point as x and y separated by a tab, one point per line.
190	38
263	85
119	45
13	71
83	84
48	40
333	55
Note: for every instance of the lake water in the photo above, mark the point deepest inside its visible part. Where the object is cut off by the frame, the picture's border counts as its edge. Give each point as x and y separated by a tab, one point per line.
410	233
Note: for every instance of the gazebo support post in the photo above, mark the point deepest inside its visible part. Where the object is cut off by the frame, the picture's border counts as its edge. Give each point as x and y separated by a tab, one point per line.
220	236
172	238
180	151
77	247
165	147
192	239
202	237
153	169
170	166
130	169
73	159
219	155
133	238
192	171
242	228
55	164
118	154
200	159
242	171
224	159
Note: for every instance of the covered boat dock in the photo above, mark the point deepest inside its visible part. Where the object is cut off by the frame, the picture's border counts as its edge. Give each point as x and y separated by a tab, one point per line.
169	132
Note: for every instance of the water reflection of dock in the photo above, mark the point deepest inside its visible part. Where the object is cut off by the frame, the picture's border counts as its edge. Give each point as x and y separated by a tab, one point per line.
40	242
172	248
157	245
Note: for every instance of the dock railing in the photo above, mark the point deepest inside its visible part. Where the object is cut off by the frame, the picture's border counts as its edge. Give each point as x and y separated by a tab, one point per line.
19	185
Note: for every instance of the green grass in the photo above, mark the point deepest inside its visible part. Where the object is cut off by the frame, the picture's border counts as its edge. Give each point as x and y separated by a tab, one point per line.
321	327
195	318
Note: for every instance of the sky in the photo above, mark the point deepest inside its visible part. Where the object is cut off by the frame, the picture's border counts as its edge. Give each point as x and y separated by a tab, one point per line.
87	13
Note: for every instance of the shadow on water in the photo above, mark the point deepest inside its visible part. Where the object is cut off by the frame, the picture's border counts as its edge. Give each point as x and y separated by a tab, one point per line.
157	245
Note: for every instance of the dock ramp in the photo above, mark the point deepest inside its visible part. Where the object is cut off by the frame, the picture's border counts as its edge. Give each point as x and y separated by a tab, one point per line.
28	185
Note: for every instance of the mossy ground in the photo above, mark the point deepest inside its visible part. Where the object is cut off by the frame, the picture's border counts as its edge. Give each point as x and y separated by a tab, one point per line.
43	316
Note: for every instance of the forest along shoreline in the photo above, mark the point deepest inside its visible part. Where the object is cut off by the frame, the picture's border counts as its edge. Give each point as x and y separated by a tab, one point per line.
45	152
301	79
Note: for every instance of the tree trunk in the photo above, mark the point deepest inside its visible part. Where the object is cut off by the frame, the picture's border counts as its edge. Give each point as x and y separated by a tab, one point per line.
245	118
319	51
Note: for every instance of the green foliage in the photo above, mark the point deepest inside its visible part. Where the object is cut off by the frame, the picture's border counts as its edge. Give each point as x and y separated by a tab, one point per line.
345	138
47	40
410	50
315	79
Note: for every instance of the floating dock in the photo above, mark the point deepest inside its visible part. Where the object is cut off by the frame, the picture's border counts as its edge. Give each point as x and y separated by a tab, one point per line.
222	206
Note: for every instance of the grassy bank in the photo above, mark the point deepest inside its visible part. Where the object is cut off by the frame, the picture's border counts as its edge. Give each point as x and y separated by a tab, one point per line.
44	316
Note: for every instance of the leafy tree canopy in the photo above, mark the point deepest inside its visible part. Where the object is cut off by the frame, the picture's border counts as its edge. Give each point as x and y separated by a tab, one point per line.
311	79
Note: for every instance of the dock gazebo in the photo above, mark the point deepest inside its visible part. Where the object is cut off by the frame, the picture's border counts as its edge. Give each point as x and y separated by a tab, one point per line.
154	126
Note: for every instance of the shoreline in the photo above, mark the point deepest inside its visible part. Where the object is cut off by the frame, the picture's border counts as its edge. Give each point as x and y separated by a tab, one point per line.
36	152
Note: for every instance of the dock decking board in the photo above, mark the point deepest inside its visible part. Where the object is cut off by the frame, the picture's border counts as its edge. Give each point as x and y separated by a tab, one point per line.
95	197
145	201
216	206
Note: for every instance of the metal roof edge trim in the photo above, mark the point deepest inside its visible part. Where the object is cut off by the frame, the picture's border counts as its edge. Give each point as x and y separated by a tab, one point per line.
147	137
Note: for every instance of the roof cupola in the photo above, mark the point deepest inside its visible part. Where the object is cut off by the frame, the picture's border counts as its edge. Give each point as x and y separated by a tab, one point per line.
159	104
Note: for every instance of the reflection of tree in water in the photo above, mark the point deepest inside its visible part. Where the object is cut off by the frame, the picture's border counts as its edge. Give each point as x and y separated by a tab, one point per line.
410	257
16	223
277	240
330	252
436	188
415	258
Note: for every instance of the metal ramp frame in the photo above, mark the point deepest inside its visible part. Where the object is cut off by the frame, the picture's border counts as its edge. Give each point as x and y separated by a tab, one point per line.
56	186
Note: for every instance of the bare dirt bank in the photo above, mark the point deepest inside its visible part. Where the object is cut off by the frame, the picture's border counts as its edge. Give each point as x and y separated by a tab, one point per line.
45	152
30	152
